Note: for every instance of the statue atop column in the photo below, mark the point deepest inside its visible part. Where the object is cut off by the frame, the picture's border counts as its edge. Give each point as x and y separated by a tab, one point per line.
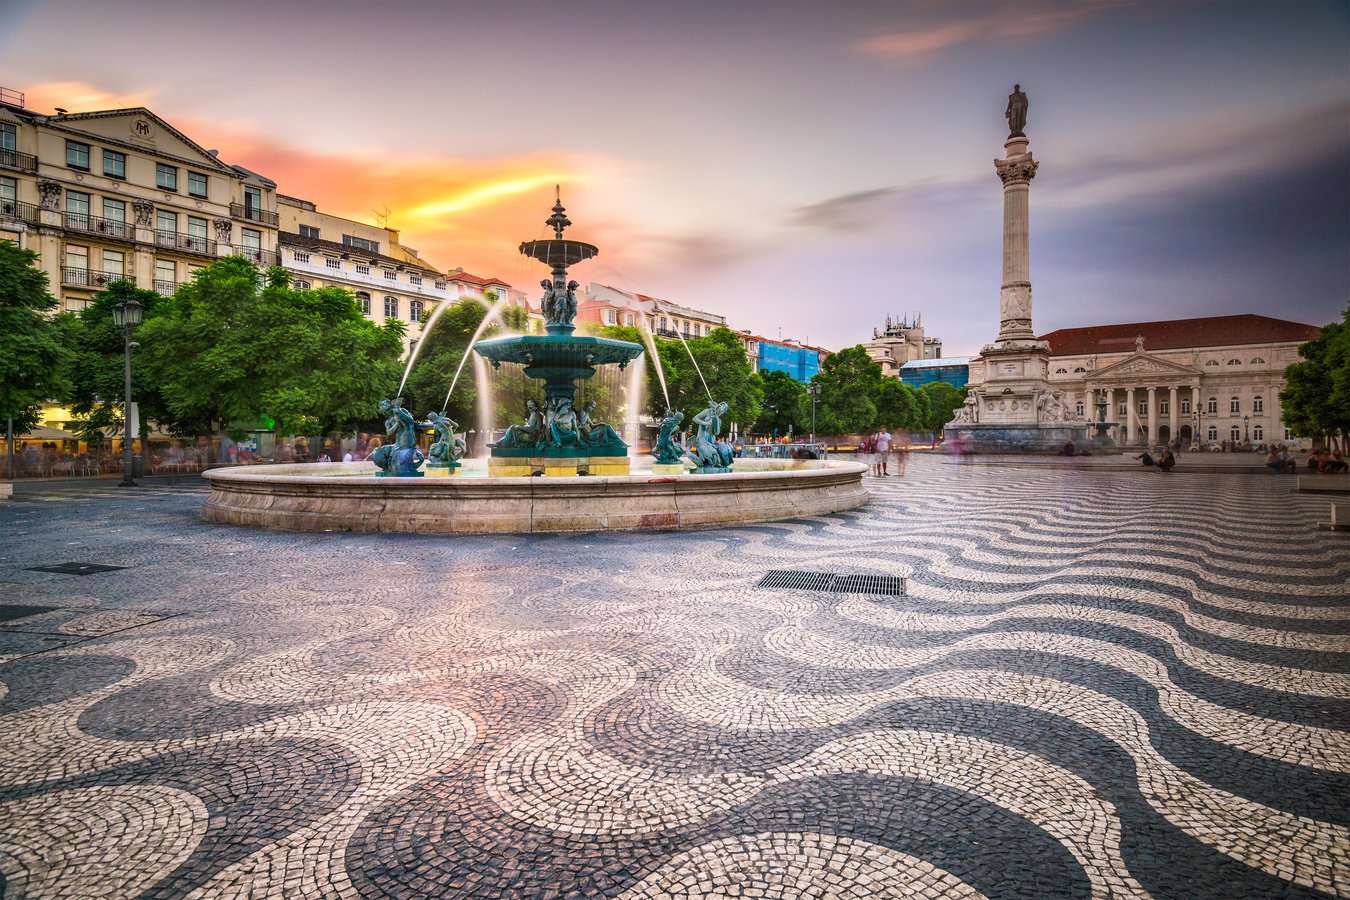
1016	112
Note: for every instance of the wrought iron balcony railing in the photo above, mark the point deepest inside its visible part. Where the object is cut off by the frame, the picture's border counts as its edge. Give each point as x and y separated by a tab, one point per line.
266	258
253	213
13	159
167	288
14	209
188	243
91	278
95	225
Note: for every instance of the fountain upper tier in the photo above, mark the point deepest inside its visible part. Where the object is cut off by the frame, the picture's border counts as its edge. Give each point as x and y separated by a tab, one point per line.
574	352
559	252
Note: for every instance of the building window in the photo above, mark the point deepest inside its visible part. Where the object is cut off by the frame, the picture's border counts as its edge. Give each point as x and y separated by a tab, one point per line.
332	263
610	317
1212	407
77	155
1122	410
1078	408
9	137
1143	407
1164	407
166	177
1288	435
391	307
1213	433
352	240
1080	371
628	319
663	323
1235	406
114	164
166	222
299	257
1235	433
197	185
1258	405
77	203
252	238
165	276
364	299
414	310
1212	362
1258	433
1258	361
115	211
77	258
9	193
414	279
309	231
412	345
302	285
114	263
1061	371
1235	362
1185	406
197	231
362	269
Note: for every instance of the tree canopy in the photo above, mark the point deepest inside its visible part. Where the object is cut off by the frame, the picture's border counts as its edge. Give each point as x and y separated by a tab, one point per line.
1316	397
848	380
33	355
235	346
786	406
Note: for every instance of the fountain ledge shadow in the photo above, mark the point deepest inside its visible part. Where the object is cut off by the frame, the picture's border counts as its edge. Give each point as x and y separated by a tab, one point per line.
346	497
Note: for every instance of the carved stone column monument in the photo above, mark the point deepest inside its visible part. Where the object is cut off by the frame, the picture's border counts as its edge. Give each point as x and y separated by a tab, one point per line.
1015	409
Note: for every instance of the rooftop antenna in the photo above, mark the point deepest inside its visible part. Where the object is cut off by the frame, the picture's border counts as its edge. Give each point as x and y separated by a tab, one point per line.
381	218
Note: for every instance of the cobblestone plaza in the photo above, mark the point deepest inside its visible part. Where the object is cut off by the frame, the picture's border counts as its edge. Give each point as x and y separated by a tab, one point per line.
1097	684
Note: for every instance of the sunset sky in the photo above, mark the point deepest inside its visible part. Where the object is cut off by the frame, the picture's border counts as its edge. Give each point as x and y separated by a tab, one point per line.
809	167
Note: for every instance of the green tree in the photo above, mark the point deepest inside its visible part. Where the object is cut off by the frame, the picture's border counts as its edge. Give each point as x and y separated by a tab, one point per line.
655	403
786	405
33	357
234	346
849	380
723	365
1316	398
898	406
943	401
97	374
439	354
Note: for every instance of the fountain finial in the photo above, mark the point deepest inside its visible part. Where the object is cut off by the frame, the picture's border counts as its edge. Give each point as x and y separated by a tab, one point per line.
558	220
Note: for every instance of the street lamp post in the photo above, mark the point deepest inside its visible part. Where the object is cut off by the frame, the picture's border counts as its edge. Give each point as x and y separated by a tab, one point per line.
127	315
814	390
1195	430
1246	433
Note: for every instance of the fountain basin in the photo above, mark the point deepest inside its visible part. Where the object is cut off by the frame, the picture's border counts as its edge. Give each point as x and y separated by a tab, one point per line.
347	497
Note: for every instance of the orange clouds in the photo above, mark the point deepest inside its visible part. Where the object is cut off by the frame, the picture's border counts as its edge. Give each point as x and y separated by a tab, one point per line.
917	45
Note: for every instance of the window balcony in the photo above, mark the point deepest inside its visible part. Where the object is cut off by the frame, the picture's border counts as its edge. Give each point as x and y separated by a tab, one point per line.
84	222
91	278
252	214
188	243
265	258
13	159
165	288
14	209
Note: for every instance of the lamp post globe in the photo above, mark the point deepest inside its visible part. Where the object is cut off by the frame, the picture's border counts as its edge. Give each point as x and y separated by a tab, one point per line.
127	315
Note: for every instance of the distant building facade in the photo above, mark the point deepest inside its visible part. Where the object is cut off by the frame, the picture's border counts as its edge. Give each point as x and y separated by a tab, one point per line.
1206	380
953	370
123	195
606	305
801	361
900	341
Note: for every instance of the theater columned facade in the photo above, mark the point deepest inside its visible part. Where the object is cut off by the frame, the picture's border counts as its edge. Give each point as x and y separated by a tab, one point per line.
1217	378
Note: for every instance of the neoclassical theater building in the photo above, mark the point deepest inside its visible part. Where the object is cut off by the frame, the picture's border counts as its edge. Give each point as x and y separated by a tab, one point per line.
1218	377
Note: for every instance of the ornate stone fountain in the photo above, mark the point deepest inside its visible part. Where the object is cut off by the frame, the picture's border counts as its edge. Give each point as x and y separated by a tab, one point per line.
559	439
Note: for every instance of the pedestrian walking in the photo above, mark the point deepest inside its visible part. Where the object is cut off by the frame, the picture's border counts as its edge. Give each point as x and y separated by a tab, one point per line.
882	441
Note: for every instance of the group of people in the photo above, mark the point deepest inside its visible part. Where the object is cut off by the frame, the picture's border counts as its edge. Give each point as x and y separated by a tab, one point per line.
1165	461
875	451
1327	462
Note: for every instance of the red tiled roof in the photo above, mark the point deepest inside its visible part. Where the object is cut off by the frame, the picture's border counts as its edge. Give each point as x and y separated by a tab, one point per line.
1211	331
474	279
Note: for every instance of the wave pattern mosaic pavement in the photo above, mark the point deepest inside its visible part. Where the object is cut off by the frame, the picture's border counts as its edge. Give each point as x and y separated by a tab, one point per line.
1099	685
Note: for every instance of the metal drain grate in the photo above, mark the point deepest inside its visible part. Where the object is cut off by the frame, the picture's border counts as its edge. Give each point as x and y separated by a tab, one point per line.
74	568
786	579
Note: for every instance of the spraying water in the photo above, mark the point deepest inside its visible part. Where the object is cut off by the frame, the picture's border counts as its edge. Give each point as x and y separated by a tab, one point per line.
656	360
482	377
696	368
488	318
426	330
637	380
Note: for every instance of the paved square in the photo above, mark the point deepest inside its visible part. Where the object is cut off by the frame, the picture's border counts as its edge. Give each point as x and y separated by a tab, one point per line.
1099	684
